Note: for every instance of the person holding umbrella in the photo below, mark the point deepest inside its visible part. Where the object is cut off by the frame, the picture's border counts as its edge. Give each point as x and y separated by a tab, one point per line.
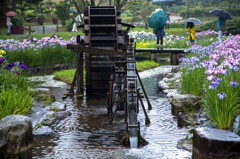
160	33
157	21
191	29
74	24
220	27
222	14
9	24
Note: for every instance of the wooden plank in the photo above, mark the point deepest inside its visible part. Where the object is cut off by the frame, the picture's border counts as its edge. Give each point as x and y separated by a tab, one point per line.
100	76
100	85
99	51
176	51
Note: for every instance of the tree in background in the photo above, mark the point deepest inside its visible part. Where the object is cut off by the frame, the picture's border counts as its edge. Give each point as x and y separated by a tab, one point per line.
204	4
189	4
230	4
61	11
134	8
144	13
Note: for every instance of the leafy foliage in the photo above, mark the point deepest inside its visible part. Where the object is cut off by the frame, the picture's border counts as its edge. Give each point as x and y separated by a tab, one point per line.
233	26
61	11
18	21
144	13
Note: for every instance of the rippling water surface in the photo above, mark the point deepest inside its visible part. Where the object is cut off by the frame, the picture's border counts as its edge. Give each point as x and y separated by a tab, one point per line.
86	133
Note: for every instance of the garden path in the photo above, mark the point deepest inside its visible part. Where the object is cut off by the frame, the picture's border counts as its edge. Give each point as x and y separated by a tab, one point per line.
48	29
175	17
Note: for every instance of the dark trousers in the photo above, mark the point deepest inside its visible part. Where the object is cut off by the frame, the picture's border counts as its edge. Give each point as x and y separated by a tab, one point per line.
159	39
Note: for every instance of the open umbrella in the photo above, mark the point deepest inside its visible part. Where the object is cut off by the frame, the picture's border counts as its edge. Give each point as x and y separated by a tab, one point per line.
168	13
10	14
72	11
220	13
194	20
157	19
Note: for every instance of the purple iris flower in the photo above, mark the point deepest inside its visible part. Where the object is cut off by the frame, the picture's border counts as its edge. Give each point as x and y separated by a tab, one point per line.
217	79
17	72
212	86
235	68
221	95
22	66
9	66
233	83
1	60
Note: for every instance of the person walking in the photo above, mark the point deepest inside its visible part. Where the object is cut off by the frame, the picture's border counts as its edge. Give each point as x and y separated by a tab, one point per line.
160	33
220	27
9	24
74	24
191	33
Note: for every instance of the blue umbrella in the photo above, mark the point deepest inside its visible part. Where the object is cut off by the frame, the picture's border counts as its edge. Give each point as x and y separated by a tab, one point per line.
157	19
194	20
72	11
220	13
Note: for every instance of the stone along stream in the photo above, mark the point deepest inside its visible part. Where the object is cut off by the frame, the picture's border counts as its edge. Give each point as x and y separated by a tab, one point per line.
86	133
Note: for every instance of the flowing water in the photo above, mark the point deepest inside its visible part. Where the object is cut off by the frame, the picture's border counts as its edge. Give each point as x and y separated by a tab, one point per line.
86	134
133	142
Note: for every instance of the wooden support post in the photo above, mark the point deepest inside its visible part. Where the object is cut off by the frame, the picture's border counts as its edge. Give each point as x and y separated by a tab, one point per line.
88	73
43	29
183	26
73	83
153	57
119	102
146	26
174	60
81	72
78	75
57	28
149	104
147	120
29	29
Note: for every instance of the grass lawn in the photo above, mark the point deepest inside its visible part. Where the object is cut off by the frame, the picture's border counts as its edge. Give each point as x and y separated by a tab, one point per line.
67	75
3	34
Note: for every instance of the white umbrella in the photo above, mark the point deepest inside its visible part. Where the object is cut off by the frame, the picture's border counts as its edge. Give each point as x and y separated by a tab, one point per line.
158	10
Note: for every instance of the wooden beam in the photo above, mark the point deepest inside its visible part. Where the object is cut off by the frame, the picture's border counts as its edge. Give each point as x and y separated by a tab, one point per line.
95	51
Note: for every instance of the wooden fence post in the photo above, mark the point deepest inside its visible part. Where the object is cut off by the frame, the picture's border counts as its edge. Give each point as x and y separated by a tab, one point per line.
183	26
57	28
29	29
43	29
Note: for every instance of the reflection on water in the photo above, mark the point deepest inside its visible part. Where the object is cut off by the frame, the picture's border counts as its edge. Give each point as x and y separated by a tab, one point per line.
87	134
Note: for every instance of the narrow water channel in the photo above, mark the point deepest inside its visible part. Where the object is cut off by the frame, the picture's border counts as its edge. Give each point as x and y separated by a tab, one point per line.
86	134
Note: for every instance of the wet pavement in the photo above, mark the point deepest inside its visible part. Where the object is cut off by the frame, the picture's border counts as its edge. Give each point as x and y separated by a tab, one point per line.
86	133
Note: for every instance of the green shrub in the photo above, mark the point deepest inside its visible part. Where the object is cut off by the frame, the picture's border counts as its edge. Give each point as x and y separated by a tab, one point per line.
42	56
31	15
14	101
41	16
192	80
233	26
17	21
69	25
223	110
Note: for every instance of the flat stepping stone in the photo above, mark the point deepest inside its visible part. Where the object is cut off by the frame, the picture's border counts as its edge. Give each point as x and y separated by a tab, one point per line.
215	143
